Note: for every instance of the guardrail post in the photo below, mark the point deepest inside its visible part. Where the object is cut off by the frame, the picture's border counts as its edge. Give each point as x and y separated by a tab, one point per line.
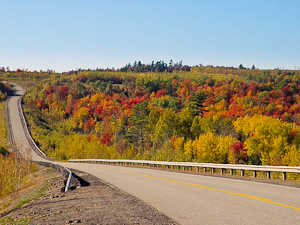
183	168
284	176
172	167
157	165
212	170
231	172
178	167
254	174
190	168
204	169
222	170
197	169
242	173
268	175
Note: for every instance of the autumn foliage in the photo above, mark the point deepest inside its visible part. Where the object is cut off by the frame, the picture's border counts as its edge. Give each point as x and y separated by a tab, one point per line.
203	114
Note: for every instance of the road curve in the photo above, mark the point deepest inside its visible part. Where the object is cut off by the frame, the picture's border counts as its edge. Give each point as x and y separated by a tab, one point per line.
189	198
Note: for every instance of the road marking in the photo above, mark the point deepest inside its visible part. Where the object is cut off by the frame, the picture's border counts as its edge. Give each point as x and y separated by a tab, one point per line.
206	187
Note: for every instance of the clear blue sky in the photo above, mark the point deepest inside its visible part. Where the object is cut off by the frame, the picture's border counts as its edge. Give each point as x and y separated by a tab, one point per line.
69	34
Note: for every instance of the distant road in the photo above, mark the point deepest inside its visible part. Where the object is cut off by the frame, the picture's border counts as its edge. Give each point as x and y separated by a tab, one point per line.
16	124
189	198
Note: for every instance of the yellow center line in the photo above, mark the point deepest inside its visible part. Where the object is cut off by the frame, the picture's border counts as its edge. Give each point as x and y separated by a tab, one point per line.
206	187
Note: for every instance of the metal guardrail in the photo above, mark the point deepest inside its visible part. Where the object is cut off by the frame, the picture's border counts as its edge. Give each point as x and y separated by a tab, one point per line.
197	166
69	181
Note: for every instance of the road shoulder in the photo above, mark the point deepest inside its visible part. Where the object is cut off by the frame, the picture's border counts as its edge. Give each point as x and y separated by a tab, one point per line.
98	203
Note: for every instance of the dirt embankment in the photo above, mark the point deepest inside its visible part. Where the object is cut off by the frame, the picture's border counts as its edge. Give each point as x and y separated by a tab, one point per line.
97	203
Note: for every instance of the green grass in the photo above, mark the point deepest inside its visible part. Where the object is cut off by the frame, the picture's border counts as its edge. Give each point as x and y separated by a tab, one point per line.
50	170
11	221
41	192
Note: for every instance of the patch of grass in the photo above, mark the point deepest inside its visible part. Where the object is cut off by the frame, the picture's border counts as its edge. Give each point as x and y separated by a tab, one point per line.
41	192
11	221
50	170
23	202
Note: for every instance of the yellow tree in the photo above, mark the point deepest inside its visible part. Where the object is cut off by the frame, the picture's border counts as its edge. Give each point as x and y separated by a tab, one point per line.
266	138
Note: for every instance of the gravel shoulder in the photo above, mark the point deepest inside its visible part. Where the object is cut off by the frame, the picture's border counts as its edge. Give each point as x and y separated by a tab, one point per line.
97	203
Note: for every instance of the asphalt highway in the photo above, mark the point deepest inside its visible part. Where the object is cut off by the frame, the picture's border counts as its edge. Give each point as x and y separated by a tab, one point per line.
16	125
189	198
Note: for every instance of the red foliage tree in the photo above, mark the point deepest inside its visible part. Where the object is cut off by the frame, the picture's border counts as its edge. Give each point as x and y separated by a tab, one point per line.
63	92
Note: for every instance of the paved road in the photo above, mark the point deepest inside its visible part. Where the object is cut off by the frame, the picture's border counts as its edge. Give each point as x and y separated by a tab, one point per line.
16	125
195	199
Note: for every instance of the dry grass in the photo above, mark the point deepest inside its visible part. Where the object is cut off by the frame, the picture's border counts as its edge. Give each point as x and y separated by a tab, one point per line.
3	125
33	188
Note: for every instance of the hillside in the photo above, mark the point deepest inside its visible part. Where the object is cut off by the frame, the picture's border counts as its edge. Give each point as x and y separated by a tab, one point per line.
206	114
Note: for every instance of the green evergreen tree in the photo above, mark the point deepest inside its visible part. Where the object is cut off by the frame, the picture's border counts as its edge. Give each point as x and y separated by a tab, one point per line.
138	133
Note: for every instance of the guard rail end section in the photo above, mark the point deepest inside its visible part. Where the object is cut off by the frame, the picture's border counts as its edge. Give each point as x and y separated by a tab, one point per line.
61	169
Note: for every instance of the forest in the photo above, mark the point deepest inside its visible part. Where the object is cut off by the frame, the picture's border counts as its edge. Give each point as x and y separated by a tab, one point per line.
200	114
